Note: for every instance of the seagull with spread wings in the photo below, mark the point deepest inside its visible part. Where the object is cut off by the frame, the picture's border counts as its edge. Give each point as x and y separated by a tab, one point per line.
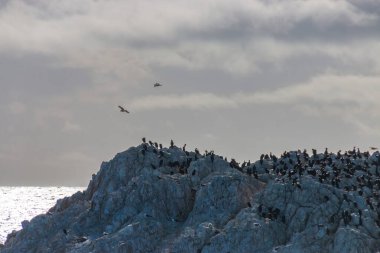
157	85
122	109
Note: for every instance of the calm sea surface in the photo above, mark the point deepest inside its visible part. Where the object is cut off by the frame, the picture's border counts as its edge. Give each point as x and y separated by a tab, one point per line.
23	203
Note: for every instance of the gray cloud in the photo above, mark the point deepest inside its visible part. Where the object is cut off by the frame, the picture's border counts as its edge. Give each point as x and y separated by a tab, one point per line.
327	90
117	36
237	72
347	97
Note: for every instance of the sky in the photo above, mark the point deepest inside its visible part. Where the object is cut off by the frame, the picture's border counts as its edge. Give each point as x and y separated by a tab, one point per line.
241	77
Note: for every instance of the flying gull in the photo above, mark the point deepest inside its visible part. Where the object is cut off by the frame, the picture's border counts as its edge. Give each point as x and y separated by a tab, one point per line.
122	109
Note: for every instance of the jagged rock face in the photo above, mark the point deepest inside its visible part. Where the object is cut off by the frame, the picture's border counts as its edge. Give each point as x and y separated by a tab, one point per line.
167	200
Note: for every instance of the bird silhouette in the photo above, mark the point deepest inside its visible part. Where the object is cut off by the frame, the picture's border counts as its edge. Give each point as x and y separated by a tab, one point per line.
157	85
122	109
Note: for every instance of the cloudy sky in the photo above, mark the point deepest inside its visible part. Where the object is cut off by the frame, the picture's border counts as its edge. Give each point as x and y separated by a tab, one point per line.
240	77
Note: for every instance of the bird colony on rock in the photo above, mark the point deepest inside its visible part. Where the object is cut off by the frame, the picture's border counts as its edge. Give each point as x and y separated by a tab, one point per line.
156	199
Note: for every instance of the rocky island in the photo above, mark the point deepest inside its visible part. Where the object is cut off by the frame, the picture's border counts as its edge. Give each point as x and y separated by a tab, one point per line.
155	199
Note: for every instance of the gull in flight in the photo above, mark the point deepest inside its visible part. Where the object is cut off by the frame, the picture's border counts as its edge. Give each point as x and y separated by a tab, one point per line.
122	109
157	85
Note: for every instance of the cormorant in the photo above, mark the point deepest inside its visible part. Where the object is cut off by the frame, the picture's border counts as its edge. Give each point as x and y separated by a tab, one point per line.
260	208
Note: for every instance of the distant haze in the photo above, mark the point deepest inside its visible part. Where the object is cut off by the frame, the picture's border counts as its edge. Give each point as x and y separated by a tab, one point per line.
239	77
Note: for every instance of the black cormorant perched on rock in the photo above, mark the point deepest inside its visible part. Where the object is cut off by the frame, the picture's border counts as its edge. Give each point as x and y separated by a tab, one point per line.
171	143
260	208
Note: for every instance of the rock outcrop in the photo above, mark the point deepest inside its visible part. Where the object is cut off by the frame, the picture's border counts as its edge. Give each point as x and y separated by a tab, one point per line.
150	199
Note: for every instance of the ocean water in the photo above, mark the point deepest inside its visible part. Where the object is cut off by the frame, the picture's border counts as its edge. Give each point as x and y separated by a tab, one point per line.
23	203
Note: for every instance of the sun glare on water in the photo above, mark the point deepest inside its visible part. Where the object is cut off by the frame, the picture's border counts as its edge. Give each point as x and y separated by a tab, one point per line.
24	203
